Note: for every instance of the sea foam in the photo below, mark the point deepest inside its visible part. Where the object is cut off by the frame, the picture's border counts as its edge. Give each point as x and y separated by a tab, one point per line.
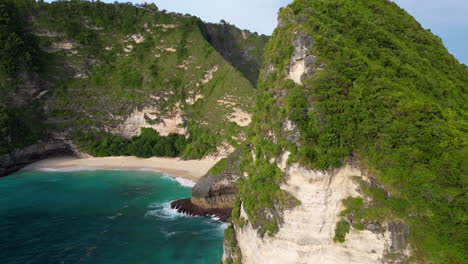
185	182
65	169
163	211
182	181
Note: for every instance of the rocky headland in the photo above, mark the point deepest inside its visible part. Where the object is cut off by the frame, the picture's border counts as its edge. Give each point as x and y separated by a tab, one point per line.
214	193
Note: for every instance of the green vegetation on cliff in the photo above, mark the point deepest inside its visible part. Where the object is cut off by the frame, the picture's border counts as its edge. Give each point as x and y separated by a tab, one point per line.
19	52
91	65
18	49
235	254
262	198
137	55
19	127
342	228
259	193
382	90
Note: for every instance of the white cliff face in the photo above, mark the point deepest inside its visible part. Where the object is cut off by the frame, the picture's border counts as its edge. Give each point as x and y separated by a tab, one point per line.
240	117
308	230
170	124
298	68
302	60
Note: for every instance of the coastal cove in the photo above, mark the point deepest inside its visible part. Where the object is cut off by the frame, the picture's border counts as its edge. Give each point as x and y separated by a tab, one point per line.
133	134
188	169
82	214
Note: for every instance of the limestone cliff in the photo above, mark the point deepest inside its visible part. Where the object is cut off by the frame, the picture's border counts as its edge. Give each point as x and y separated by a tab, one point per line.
354	151
308	230
118	68
20	158
343	163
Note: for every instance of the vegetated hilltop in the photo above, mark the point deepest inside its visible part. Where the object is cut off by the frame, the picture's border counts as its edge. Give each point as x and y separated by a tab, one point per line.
354	88
87	69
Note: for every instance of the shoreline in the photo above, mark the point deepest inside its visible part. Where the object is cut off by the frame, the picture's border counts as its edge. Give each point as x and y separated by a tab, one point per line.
188	169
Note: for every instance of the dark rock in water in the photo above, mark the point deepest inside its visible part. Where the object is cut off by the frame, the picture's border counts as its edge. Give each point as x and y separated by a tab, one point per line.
214	194
218	190
185	206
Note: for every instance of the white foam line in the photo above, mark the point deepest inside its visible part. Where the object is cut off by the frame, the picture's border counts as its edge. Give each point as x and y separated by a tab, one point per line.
223	226
182	181
65	169
164	210
185	182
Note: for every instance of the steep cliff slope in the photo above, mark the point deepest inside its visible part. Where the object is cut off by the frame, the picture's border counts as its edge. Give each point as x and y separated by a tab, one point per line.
358	144
242	48
93	67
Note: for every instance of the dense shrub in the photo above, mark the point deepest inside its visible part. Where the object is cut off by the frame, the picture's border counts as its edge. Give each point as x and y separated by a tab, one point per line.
19	127
387	92
342	228
148	144
18	49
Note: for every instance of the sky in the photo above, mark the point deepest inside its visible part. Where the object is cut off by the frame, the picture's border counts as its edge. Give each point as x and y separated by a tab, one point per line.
447	19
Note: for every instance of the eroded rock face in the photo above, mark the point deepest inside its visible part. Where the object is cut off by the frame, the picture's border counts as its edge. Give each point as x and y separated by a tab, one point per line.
185	206
306	236
20	158
302	60
218	190
400	235
214	193
169	123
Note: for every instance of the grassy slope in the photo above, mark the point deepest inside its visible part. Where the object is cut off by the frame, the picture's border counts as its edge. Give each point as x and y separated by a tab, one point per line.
117	82
391	95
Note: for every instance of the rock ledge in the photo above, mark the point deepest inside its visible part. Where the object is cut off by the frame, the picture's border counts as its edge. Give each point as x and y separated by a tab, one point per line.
186	206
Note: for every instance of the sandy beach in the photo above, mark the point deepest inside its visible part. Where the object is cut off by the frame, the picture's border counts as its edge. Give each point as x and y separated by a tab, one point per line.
189	169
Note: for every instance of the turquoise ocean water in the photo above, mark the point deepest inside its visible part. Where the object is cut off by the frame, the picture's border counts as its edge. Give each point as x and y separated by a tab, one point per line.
97	216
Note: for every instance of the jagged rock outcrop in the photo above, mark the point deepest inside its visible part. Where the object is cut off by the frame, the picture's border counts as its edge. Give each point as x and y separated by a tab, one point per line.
185	206
307	233
20	158
302	60
169	123
216	192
